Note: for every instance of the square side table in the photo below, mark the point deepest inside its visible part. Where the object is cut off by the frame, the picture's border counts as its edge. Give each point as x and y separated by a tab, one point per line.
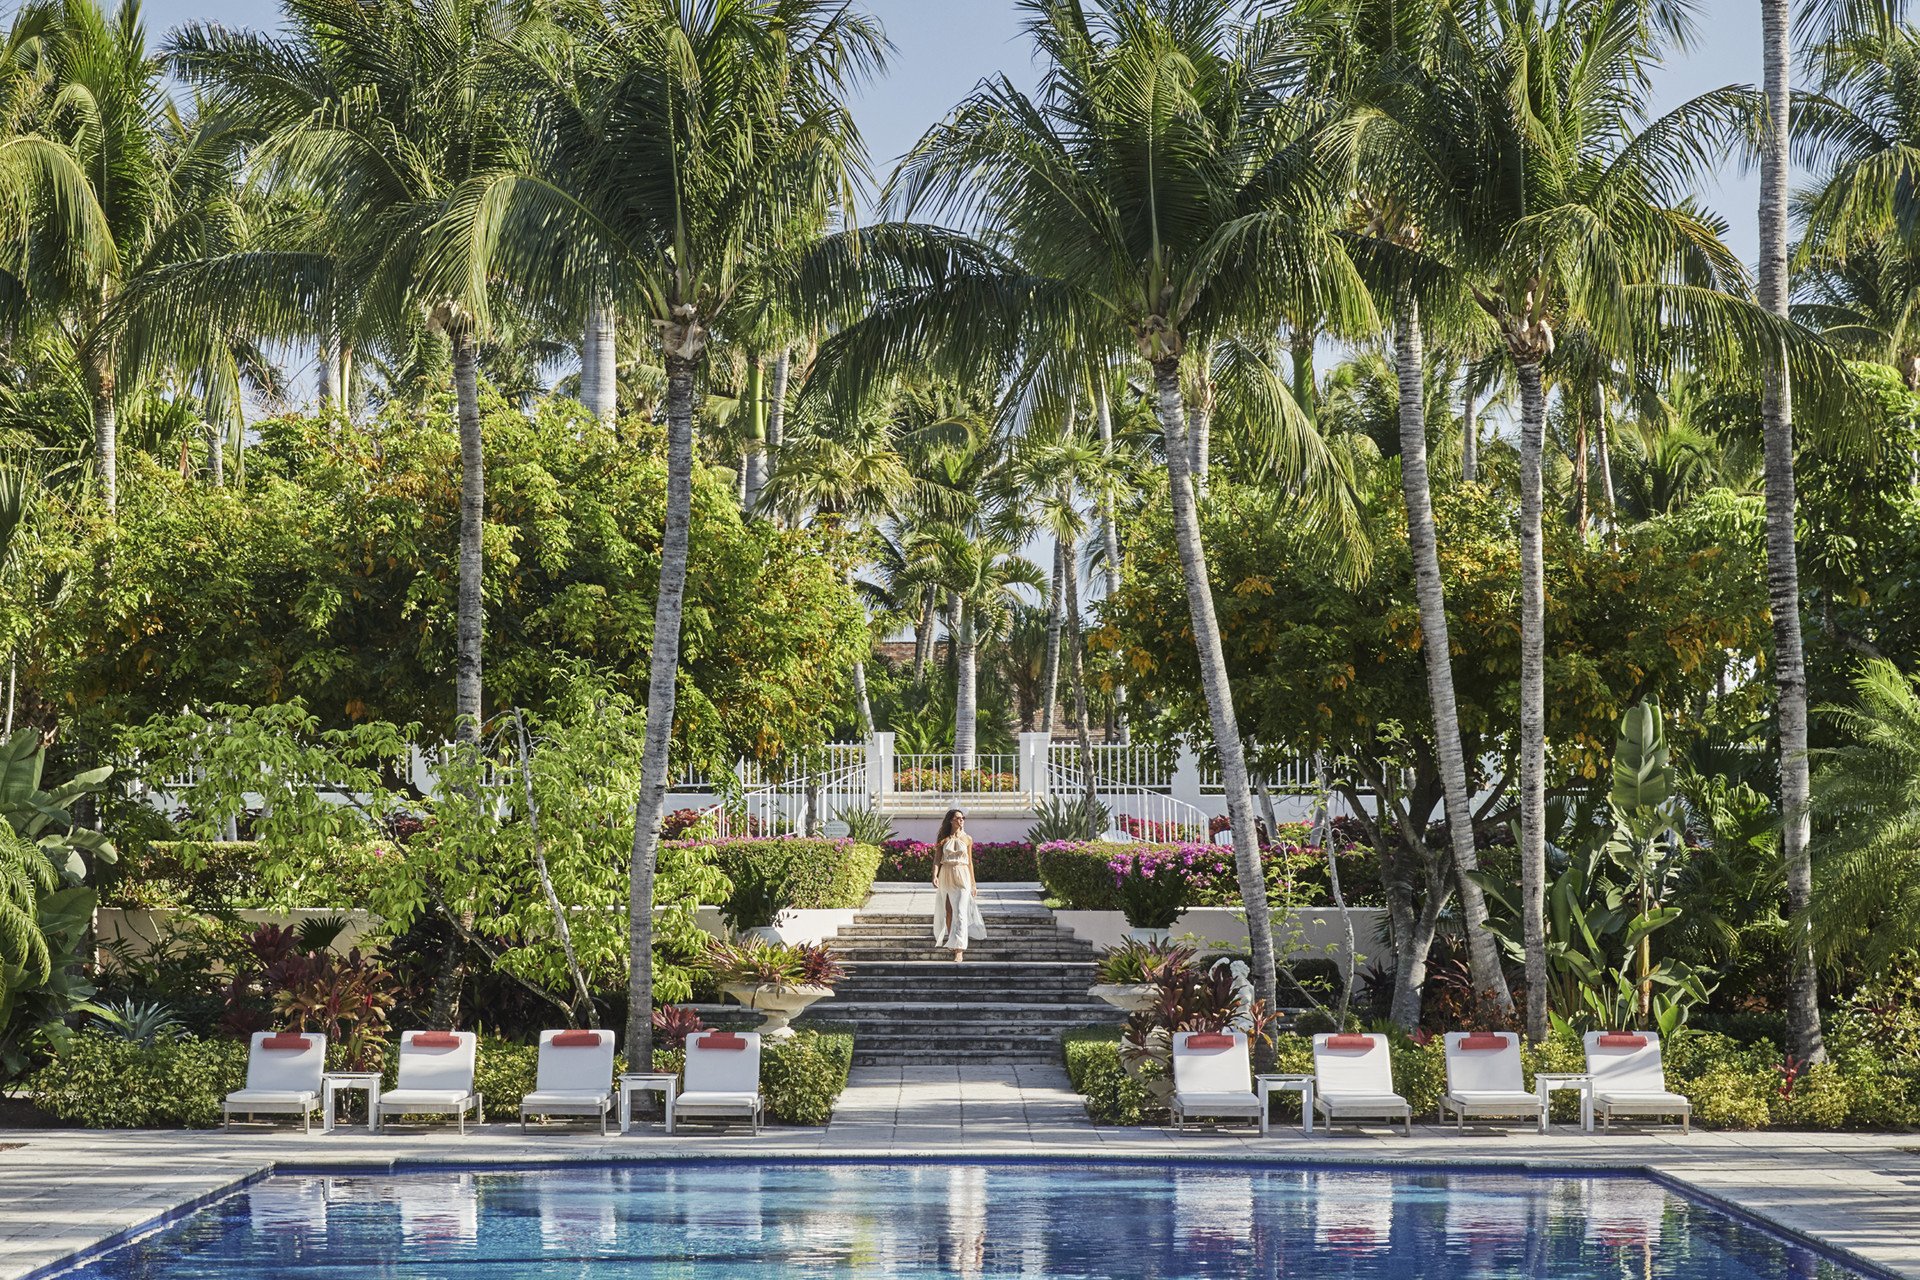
1302	1085
665	1083
1548	1083
338	1082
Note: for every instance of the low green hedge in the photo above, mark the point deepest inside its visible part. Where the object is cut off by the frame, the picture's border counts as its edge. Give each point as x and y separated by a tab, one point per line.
1732	1085
225	875
104	1082
802	874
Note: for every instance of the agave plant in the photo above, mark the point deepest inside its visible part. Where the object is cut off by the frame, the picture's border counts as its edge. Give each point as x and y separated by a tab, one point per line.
142	1024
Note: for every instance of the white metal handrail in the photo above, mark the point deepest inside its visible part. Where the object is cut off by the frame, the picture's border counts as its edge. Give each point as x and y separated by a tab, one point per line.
1293	776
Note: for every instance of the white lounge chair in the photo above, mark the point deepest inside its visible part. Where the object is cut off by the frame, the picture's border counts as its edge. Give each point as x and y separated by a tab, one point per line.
1484	1078
283	1076
1212	1076
1353	1080
1629	1080
435	1078
722	1077
574	1078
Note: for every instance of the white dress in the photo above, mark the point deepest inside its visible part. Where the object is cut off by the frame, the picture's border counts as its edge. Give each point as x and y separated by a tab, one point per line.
956	907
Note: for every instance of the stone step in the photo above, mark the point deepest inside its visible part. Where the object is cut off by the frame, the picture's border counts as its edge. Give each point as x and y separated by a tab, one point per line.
893	1016
912	989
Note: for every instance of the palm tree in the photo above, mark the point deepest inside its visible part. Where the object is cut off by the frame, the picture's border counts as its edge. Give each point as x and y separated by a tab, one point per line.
1860	158
682	143
983	575
1142	195
103	184
392	114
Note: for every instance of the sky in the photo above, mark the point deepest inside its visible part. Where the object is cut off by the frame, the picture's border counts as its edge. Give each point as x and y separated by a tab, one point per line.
943	47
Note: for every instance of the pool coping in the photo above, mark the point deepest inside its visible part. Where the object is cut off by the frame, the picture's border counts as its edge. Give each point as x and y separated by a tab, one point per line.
349	1166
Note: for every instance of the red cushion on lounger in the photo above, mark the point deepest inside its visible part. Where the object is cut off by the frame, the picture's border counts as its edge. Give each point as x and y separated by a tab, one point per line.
1209	1040
1482	1043
577	1040
286	1040
722	1040
1622	1040
435	1040
1349	1042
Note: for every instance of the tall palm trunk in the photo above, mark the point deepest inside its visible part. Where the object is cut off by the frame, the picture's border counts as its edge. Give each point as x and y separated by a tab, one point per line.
106	431
326	374
1200	432
1050	667
1470	434
1804	1040
1078	679
776	410
598	352
862	704
1582	486
923	633
966	686
753	471
1490	984
217	454
1109	528
663	670
1533	697
1213	678
1606	457
468	622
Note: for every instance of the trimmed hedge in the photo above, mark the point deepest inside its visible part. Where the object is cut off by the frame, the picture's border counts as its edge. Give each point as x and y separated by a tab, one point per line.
104	1082
1080	876
994	861
225	874
1732	1085
803	874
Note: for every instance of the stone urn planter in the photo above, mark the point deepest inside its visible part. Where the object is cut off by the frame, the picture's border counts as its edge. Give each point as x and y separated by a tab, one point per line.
780	1004
1129	997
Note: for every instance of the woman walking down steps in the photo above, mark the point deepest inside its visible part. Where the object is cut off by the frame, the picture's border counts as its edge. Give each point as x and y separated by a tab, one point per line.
956	903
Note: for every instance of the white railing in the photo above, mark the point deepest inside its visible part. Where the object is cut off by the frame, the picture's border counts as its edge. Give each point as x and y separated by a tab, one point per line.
1293	776
794	806
1116	767
944	773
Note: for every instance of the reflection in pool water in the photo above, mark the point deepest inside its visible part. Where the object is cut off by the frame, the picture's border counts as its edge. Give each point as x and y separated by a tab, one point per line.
708	1220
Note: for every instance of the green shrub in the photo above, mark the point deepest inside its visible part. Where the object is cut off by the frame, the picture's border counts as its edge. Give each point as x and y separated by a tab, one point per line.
795	873
503	1073
1077	875
1094	1070
225	875
105	1082
1732	1095
1820	1099
803	1077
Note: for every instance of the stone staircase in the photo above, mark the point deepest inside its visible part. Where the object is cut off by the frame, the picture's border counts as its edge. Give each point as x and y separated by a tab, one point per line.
1007	1002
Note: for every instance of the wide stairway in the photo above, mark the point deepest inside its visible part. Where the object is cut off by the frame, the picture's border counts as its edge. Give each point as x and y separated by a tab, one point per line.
1007	1002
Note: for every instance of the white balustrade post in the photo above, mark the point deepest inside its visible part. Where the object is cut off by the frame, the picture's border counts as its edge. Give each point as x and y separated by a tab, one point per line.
879	766
1186	776
1033	763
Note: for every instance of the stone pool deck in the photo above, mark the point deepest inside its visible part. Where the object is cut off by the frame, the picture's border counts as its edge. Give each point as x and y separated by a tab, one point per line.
66	1190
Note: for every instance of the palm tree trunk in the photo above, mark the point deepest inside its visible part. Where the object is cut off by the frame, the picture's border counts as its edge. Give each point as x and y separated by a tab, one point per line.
1109	529
13	684
1214	680
326	374
777	409
966	687
1050	667
1078	678
753	471
1581	484
923	633
468	622
217	454
1606	456
862	704
1804	1040
662	673
1200	432
106	433
1533	696
598	349
1304	391
1490	984
1470	434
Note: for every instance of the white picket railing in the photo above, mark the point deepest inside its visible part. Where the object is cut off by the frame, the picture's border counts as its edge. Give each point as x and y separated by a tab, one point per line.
1116	766
1293	776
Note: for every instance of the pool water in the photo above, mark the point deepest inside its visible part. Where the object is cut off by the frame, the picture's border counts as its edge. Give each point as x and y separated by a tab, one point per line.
707	1220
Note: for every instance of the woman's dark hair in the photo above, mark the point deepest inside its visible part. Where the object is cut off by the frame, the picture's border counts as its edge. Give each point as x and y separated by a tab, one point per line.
946	824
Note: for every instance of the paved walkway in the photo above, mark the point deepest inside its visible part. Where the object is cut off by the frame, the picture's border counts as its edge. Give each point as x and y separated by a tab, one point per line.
915	898
65	1190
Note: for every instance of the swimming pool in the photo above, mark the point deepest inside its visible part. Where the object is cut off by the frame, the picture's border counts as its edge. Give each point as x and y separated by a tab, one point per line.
704	1220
